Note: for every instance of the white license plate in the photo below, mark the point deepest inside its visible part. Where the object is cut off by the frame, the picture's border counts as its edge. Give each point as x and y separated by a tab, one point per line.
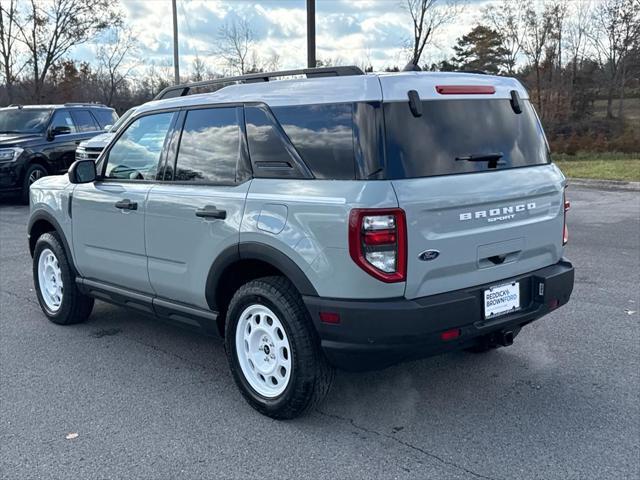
501	299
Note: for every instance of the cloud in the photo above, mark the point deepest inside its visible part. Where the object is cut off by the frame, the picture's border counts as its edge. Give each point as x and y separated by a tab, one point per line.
352	31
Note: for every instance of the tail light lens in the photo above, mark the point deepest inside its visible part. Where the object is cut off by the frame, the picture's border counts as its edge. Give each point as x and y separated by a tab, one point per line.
565	230
378	242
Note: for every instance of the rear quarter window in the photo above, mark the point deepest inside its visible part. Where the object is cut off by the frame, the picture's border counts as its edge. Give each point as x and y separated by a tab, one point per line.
105	116
323	136
449	131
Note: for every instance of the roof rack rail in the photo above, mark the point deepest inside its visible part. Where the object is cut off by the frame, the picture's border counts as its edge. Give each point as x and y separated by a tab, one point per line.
84	104
182	90
478	72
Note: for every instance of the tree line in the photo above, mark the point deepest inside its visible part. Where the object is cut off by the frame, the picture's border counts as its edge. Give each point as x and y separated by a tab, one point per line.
574	56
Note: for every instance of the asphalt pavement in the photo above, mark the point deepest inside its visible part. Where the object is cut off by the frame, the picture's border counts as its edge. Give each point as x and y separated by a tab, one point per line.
141	399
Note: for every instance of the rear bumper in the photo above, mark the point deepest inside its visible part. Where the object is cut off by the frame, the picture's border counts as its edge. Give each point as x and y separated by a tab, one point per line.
377	333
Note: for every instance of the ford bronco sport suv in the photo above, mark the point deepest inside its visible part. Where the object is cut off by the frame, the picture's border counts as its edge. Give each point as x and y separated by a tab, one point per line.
338	220
39	140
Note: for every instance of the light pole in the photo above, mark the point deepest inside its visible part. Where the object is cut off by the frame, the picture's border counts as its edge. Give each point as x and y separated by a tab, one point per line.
311	33
176	60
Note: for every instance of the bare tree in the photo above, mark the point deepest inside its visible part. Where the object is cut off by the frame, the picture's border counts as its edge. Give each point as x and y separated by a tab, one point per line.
272	64
9	24
507	19
427	17
198	69
616	34
52	28
538	29
235	42
116	61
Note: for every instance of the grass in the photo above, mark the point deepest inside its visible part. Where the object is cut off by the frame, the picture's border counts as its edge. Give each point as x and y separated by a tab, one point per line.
603	166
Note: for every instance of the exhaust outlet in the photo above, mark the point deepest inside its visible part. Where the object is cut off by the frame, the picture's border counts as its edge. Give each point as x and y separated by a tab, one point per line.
505	338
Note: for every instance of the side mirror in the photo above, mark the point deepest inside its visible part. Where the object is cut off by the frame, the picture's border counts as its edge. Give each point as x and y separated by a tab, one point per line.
108	127
59	130
83	171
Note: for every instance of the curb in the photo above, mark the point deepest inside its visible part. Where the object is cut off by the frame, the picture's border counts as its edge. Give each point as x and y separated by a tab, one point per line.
604	184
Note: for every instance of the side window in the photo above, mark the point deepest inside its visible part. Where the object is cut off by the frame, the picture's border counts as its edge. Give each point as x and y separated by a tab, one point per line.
209	146
323	135
84	121
136	153
105	116
271	157
62	119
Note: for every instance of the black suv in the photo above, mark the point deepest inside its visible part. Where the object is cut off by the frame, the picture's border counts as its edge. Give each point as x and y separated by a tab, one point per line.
40	140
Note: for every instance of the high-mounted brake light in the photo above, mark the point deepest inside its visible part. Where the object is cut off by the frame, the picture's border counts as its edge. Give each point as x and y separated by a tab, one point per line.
565	230
465	89
378	242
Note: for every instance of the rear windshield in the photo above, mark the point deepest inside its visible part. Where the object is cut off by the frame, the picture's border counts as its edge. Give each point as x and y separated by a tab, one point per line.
461	136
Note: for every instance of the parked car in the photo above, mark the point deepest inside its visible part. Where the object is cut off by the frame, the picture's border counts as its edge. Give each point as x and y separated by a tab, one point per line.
40	140
339	220
91	149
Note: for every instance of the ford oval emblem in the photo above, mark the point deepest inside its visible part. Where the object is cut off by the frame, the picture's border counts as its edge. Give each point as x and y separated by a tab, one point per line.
429	255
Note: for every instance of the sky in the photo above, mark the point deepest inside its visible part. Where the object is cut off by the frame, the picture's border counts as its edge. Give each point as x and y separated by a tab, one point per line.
350	31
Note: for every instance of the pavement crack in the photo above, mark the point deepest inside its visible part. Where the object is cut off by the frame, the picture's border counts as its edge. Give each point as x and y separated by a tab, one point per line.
21	297
405	444
167	352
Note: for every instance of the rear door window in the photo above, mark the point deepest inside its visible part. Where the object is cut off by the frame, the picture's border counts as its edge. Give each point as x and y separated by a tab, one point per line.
84	120
461	136
323	136
210	146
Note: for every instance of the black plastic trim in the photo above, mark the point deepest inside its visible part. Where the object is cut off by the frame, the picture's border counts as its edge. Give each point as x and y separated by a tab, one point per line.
161	308
375	333
255	251
44	215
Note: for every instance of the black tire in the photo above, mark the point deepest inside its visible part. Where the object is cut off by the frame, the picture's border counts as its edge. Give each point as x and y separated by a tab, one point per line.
75	307
34	169
311	375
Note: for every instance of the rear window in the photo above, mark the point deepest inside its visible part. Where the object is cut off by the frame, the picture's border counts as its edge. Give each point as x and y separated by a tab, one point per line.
461	136
323	136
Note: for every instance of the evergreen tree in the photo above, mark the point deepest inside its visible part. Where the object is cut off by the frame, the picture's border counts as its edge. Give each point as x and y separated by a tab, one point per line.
480	49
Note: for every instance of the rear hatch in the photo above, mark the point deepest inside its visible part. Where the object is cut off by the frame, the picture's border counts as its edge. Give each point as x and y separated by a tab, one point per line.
472	174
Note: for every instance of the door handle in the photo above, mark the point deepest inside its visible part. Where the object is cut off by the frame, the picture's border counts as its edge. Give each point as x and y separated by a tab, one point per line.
126	204
210	211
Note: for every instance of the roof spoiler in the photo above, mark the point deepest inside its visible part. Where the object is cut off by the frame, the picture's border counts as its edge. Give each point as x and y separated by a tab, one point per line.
184	89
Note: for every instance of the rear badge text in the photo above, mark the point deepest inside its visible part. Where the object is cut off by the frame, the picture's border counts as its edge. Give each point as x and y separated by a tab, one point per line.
498	214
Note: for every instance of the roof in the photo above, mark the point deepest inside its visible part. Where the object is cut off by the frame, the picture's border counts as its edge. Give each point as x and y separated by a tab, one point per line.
342	89
60	105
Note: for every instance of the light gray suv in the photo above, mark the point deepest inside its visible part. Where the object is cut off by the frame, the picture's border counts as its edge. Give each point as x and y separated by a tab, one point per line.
329	218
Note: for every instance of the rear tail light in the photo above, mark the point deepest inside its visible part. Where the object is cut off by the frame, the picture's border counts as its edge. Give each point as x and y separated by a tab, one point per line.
378	242
565	230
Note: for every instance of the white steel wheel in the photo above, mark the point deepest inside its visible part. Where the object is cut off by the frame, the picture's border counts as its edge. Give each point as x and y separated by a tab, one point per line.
50	280
263	351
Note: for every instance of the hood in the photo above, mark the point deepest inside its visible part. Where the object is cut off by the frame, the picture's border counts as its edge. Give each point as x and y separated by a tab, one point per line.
99	141
52	182
17	139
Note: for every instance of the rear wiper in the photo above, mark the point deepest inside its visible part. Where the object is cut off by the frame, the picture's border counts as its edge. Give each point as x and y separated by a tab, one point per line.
492	158
481	157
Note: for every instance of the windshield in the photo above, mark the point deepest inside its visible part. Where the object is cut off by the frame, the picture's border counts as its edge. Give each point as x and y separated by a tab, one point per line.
23	120
461	136
121	121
